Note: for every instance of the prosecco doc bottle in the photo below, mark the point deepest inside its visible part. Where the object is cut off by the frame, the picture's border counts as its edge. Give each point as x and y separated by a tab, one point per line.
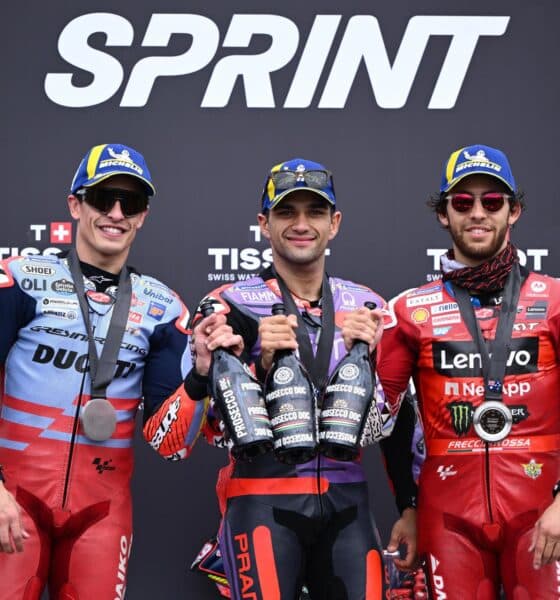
346	402
239	398
291	403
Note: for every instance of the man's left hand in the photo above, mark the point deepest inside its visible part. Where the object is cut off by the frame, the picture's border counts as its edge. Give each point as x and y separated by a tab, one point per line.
545	543
363	324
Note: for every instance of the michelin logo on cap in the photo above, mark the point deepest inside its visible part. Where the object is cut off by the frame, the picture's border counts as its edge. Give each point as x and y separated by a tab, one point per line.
477	159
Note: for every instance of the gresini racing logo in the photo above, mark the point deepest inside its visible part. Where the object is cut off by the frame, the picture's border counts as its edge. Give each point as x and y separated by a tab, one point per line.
462	359
343	45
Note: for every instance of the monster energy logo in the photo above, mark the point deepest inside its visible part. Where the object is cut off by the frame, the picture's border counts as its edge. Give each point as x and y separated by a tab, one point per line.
461	416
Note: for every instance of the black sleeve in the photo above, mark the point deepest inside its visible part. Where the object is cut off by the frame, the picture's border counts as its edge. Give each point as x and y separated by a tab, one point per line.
397	452
17	309
167	360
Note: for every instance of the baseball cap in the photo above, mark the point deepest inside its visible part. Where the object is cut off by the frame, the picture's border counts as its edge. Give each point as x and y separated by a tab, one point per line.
478	159
106	160
307	175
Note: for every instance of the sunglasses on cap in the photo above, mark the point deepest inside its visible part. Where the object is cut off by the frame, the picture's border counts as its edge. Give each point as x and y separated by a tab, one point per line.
285	180
463	202
103	200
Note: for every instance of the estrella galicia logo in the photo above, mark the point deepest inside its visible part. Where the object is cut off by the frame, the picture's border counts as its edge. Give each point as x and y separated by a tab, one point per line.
461	416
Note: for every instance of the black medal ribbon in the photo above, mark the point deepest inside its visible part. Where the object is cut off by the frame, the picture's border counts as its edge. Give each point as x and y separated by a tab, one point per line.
494	365
102	368
317	365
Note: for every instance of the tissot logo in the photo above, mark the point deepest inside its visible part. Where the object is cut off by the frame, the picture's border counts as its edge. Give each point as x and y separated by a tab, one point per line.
349	44
462	359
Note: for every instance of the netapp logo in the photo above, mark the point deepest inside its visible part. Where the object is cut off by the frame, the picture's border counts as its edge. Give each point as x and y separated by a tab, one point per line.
361	42
461	359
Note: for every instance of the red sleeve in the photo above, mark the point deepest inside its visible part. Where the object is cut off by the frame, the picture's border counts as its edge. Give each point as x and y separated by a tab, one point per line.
398	352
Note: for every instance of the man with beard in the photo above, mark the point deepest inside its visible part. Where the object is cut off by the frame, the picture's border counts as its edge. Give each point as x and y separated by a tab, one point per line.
483	348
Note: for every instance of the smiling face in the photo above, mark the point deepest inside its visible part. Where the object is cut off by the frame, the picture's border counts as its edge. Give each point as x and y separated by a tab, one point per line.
299	229
479	234
104	239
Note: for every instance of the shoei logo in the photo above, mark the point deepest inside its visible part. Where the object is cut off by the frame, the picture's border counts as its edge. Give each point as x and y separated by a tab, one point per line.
344	46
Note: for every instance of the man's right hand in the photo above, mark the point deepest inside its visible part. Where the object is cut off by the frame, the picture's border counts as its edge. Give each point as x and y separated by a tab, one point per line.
210	333
404	534
276	333
12	532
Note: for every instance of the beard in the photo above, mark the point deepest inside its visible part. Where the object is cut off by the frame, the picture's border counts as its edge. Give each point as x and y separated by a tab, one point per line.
480	252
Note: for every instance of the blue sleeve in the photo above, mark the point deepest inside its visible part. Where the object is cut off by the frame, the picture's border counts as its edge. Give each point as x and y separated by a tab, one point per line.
167	363
17	309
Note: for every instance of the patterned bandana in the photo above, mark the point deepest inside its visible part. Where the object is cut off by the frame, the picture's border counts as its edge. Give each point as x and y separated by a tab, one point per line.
489	277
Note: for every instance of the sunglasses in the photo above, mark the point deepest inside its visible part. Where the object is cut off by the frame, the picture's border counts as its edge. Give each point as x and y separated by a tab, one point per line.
284	180
103	200
491	201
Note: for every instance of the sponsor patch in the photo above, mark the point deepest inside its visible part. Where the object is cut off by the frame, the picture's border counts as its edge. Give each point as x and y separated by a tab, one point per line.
532	469
38	270
135	317
446	319
420	315
156	310
425	299
441	330
63	286
444	308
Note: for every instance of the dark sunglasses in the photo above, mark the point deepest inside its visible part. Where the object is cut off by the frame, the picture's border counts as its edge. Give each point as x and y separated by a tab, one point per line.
491	201
284	180
103	200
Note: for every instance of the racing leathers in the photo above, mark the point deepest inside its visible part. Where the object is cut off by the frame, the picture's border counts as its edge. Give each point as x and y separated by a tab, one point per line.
479	501
74	491
285	525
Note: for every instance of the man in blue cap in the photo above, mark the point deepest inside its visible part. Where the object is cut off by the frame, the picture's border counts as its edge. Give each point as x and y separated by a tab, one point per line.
483	348
82	338
285	525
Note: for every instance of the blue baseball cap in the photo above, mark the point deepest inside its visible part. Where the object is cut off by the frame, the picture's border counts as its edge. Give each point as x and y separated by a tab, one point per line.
107	160
304	175
477	159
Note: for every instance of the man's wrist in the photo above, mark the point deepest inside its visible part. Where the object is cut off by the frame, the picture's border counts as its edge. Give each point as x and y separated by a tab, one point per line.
196	385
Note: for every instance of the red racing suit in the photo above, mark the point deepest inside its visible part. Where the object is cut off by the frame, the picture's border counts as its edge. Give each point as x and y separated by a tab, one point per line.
479	501
285	525
74	491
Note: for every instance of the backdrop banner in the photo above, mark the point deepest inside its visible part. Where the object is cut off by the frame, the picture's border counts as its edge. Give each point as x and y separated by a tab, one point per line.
214	94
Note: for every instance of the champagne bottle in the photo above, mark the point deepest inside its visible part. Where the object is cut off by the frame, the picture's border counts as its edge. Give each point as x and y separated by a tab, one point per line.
346	403
291	403
239	398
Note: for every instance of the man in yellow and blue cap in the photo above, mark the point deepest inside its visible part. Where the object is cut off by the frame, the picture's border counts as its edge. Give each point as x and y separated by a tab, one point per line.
285	525
483	348
80	348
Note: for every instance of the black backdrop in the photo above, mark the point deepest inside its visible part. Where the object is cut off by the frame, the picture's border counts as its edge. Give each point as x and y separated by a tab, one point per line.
464	72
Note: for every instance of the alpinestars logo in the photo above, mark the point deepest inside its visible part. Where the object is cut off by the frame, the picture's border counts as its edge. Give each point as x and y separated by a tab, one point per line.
329	42
461	416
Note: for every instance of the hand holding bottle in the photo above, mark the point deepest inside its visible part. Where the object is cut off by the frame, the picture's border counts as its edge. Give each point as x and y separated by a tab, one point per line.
276	332
239	398
364	324
350	390
213	332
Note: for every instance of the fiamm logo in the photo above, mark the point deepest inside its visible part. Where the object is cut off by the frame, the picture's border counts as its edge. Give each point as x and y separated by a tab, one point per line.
361	42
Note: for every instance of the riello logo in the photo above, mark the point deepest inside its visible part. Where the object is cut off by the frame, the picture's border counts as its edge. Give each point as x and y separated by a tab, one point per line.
359	41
